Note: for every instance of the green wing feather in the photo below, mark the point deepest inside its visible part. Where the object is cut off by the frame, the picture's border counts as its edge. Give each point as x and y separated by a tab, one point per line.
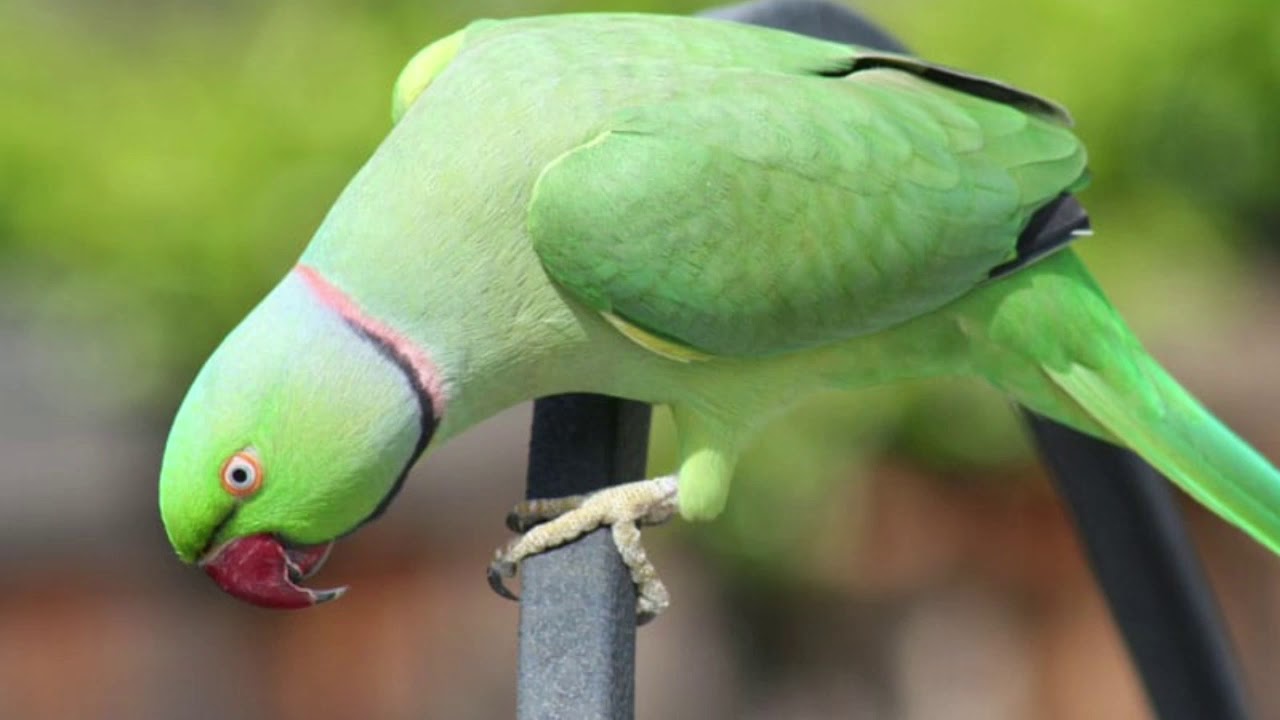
756	213
1050	338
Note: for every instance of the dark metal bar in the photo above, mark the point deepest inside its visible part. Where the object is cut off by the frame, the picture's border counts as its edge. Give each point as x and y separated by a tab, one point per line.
1132	532
816	18
1138	546
577	609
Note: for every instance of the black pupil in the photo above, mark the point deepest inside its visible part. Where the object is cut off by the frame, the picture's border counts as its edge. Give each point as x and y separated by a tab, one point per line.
239	476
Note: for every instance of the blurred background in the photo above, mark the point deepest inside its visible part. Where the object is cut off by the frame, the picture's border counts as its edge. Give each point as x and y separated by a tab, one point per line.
895	554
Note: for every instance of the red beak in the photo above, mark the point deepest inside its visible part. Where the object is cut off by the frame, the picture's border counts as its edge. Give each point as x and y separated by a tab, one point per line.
260	570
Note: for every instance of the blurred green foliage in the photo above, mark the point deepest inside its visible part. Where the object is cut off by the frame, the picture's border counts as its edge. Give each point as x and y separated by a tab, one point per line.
162	163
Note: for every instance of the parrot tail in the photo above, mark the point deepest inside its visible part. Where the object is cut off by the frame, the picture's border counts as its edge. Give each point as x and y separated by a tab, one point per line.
1186	443
1089	371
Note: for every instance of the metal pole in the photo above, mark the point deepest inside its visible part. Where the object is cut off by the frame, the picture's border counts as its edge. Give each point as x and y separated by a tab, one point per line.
578	607
1137	544
816	18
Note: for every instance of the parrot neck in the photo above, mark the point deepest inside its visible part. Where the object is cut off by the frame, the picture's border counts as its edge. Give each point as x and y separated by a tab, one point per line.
472	359
414	361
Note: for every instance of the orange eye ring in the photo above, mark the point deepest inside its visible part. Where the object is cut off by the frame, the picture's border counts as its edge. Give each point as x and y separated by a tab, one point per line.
242	474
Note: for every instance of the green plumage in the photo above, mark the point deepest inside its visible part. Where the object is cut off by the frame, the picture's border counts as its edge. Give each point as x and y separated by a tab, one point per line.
717	220
1049	337
716	217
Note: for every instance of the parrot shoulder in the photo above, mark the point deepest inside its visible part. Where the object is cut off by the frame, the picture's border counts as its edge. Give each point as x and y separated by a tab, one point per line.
425	67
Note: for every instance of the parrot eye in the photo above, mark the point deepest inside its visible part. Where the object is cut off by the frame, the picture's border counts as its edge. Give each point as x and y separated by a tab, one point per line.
242	475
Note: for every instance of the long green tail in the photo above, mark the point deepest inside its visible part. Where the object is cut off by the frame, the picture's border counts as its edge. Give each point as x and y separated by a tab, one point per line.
1190	446
1056	344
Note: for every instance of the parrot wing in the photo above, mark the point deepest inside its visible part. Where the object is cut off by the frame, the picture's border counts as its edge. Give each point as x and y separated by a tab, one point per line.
758	213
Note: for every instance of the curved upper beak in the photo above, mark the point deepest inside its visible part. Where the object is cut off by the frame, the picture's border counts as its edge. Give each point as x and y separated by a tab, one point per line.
261	570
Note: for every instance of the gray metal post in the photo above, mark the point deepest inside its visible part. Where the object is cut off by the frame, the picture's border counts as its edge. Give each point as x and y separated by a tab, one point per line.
578	605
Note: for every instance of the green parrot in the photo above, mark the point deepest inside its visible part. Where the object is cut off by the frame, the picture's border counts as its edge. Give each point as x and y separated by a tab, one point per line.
716	217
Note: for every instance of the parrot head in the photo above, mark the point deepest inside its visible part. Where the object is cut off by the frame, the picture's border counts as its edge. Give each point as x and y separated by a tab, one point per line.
298	430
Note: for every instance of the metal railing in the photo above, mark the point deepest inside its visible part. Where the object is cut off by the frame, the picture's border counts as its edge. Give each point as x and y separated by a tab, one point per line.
577	623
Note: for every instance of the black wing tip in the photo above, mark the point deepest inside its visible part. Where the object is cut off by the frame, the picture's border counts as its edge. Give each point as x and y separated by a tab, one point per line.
957	80
1050	229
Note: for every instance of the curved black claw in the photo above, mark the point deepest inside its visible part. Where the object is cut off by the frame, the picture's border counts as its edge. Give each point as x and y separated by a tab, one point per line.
499	572
518	522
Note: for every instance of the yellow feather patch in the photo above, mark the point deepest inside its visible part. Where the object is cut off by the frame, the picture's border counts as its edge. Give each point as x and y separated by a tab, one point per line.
654	344
421	70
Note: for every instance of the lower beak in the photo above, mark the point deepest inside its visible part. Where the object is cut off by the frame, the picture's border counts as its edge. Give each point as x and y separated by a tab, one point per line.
261	570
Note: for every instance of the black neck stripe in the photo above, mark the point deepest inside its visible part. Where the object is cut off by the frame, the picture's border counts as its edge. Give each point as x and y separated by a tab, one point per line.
427	419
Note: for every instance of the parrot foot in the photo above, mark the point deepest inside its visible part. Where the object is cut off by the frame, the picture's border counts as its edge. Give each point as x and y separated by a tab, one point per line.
625	508
529	513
